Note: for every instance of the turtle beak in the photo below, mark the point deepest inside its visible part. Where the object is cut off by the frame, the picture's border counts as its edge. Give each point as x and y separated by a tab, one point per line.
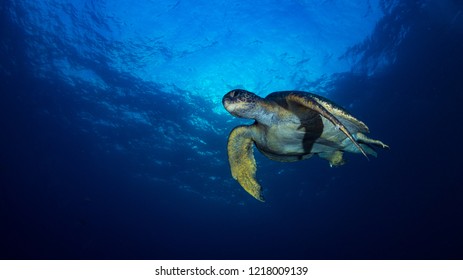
225	101
228	103
227	98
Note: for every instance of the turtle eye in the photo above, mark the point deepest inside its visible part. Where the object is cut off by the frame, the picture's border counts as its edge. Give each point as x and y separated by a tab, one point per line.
232	94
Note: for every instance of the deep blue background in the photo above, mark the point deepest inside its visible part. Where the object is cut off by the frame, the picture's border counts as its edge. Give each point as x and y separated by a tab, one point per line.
83	176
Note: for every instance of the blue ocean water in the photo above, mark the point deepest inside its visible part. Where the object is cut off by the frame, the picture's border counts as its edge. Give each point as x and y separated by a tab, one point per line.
113	136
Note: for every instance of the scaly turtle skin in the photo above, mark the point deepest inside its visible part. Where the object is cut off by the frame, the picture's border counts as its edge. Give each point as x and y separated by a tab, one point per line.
290	126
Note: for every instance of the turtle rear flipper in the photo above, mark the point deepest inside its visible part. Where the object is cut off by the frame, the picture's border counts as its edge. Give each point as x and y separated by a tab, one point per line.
368	144
242	162
335	158
362	138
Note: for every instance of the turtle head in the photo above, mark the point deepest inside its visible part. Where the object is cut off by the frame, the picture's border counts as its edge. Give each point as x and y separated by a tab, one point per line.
241	103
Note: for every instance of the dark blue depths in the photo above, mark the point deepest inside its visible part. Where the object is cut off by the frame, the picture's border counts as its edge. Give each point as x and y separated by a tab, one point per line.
138	170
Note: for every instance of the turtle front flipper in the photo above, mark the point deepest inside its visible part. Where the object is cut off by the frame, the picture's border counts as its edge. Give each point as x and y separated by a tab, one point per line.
242	162
313	104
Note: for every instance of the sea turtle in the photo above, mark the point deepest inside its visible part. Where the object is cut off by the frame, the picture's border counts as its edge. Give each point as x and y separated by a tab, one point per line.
290	126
